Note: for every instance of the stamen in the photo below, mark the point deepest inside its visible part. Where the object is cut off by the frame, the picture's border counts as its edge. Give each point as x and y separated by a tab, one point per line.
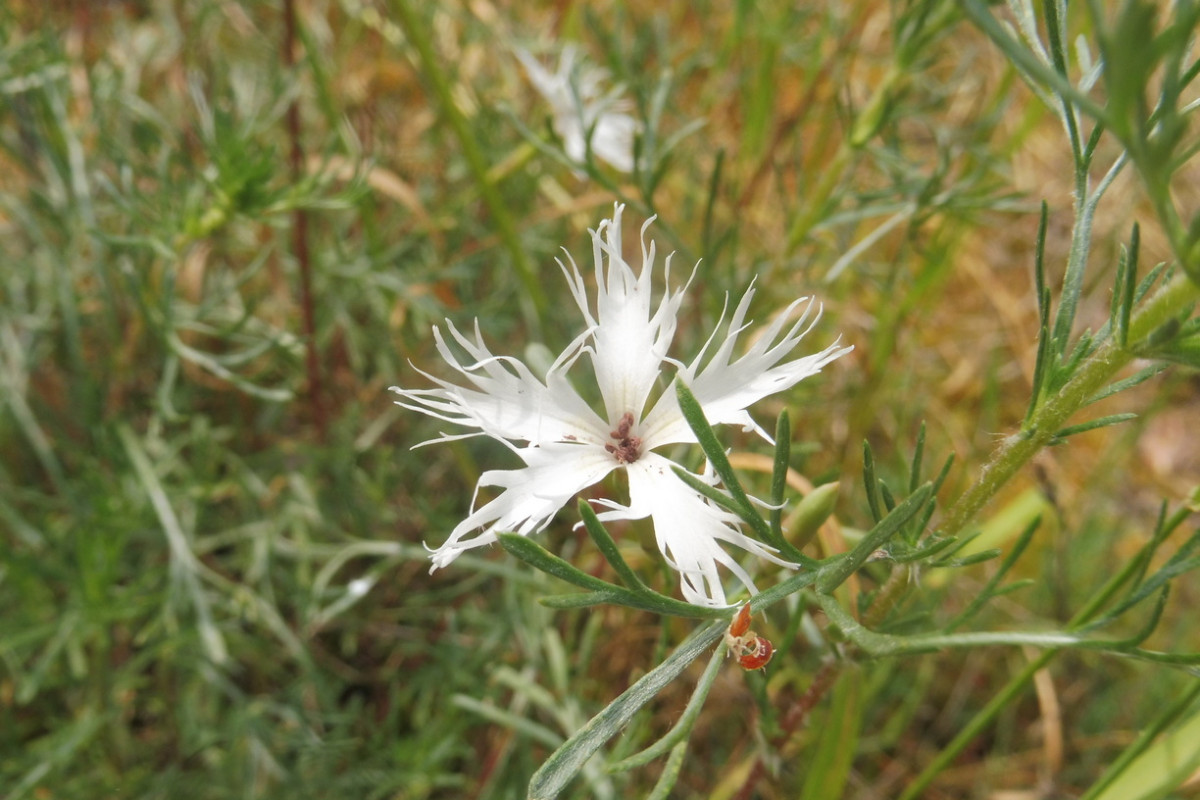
628	448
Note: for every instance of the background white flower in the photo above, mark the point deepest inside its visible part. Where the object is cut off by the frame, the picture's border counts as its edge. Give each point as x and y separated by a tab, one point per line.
566	446
581	107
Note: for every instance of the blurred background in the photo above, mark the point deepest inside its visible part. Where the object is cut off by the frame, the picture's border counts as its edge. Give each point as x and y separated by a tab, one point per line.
226	228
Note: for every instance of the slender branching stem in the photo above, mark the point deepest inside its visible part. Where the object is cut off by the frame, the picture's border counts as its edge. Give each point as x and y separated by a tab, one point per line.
312	362
1102	367
431	64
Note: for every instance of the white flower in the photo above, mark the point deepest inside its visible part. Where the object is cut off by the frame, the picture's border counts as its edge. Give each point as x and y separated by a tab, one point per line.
581	109
566	446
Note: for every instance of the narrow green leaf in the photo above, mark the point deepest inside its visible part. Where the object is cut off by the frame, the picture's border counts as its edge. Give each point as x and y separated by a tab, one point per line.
682	729
989	589
1125	309
960	543
694	415
558	770
1087	344
974	558
1089	149
1056	37
1164	526
184	564
829	767
1092	425
1184	560
670	773
518	723
608	547
1068	300
602	591
1040	367
1118	294
1150	767
1134	570
1039	268
933	544
883	645
941	478
1148	282
1015	586
789	587
539	557
783	446
1140	376
714	185
914	471
753	519
923	521
1148	626
1025	60
870	482
581	599
889	501
836	573
1159	657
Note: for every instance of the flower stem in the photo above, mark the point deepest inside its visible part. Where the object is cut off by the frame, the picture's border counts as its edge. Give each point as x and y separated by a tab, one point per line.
312	363
1011	690
432	65
977	724
1016	450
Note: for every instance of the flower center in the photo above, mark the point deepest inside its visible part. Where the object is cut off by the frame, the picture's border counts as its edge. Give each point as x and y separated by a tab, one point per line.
627	448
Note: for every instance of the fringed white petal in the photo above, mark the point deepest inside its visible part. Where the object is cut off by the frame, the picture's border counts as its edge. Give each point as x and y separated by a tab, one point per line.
530	496
570	447
613	135
507	401
725	387
582	109
630	337
689	530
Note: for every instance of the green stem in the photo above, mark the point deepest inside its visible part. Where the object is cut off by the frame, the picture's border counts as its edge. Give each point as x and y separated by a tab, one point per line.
1025	60
976	726
883	645
1100	368
1144	739
987	715
431	64
818	196
837	571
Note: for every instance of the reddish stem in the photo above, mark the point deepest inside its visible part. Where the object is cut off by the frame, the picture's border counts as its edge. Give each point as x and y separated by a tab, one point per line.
300	235
797	714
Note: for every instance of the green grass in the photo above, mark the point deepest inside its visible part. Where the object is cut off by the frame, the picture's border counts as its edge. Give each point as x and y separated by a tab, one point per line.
211	523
